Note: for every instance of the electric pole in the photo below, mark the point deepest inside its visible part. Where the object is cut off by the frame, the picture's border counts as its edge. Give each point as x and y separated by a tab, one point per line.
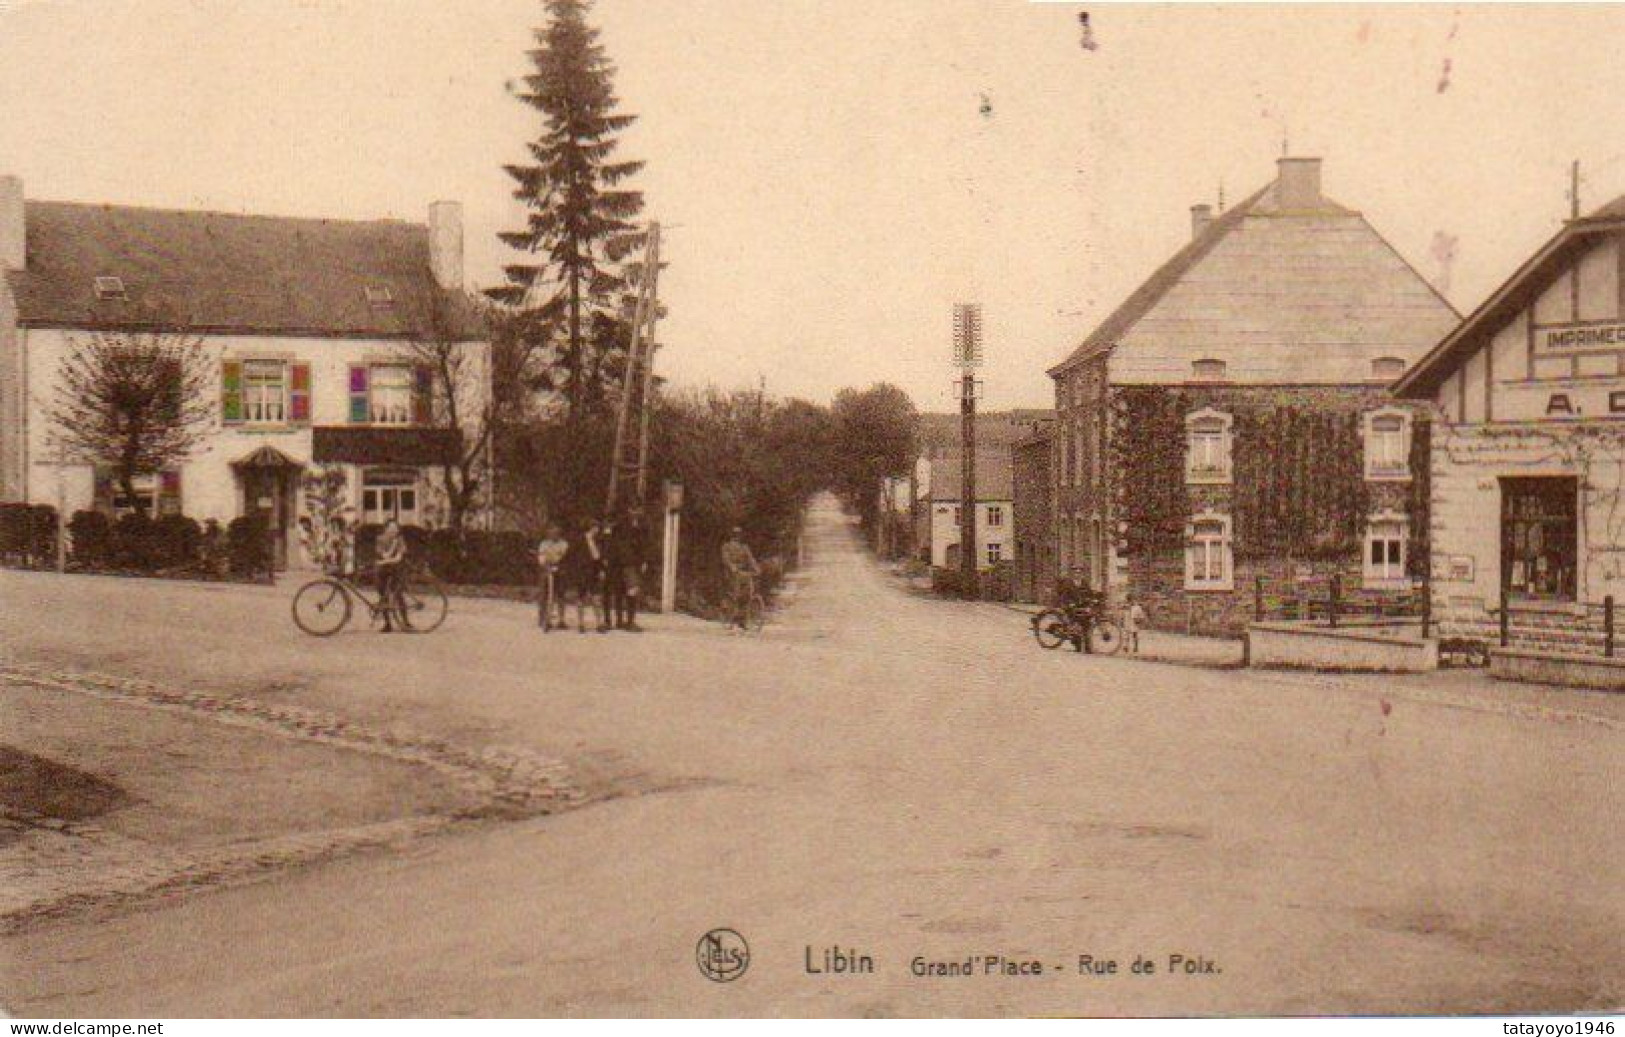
968	357
639	363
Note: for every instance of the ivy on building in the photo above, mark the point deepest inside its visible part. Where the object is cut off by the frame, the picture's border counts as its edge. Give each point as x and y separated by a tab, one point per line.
1297	490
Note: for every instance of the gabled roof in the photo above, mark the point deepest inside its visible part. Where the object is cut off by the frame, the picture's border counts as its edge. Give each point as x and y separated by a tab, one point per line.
1144	298
994	479
1506	302
1263	276
224	273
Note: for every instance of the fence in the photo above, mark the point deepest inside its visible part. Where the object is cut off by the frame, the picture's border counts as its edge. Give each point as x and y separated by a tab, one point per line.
1330	602
1584	628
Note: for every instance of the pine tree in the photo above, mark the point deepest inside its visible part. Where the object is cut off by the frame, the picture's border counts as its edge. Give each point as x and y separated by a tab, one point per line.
580	220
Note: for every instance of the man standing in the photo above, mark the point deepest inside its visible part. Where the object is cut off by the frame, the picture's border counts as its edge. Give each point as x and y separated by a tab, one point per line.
625	556
741	572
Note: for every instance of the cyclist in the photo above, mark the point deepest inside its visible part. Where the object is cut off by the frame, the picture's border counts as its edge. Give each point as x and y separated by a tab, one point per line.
742	571
391	558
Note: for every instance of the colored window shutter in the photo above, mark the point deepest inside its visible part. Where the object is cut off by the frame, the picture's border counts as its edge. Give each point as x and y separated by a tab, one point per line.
422	395
360	412
231	390
299	394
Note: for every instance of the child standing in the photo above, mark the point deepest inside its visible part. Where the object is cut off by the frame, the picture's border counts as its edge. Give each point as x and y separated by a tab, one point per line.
1133	620
549	556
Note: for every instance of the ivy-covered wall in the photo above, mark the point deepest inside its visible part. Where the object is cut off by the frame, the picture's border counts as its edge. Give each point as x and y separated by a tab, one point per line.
1297	498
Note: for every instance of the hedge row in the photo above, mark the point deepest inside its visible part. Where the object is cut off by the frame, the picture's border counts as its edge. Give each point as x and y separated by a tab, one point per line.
135	543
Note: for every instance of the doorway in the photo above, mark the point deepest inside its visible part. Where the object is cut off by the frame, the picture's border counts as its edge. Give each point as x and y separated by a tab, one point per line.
1540	537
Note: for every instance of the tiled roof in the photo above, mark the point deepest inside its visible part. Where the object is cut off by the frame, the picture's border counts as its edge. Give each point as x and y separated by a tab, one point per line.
229	274
993	477
1277	291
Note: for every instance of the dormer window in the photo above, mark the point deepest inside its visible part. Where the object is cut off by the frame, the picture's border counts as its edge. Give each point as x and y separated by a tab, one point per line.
1207	371
1387	368
379	296
111	289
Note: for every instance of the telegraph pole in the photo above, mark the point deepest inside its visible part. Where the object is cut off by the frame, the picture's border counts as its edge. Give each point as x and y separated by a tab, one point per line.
637	364
968	357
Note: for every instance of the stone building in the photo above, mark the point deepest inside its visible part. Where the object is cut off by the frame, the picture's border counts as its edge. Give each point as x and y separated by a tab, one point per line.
1528	450
1228	427
1032	465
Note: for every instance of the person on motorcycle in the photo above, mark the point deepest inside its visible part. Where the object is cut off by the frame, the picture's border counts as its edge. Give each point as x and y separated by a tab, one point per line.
1082	604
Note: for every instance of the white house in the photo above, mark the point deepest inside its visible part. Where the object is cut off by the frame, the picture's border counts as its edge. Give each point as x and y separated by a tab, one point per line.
995	511
313	325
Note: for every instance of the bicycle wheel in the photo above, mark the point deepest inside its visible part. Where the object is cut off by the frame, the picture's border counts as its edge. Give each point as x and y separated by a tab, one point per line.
1051	629
423	605
1106	638
321	607
756	618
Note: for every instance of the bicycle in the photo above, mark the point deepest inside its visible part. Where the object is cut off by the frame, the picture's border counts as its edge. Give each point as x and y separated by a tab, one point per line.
1054	627
755	608
323	606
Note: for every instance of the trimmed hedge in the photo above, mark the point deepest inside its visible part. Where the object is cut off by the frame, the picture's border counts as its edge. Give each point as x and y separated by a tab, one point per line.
28	534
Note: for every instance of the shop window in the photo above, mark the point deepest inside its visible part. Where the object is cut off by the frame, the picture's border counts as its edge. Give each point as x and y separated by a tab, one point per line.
390	494
1208	562
1207	453
1385	547
1387	445
1539	537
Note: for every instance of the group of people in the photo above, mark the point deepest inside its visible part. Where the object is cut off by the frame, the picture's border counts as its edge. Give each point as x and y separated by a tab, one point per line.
597	565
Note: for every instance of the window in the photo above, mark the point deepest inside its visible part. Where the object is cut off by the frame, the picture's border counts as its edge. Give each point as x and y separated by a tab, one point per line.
379	296
265	392
389	494
1207	553
1385	538
995	553
1539	537
111	288
1387	445
1207	371
1387	368
392	394
1207	450
995	515
146	496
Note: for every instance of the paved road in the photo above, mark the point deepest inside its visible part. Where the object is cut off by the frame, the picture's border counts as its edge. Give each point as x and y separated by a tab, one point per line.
895	776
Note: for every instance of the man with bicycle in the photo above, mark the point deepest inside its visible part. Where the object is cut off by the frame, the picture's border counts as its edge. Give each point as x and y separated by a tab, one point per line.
741	569
1082	605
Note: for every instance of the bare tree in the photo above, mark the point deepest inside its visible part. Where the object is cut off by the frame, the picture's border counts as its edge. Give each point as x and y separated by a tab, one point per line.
135	402
479	389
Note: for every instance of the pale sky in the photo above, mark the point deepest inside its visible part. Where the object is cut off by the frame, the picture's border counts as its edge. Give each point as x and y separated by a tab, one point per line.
830	181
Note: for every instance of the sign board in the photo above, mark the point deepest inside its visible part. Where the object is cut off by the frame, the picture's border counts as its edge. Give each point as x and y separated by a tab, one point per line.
1569	338
1457	569
674	495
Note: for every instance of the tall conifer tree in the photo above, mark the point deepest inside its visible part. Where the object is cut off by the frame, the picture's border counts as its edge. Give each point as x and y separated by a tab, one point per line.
580	226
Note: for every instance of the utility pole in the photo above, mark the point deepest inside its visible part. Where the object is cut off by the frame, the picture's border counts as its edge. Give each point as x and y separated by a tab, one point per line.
968	357
638	363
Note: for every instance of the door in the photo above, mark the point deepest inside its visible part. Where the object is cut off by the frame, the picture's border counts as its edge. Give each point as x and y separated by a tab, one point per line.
1540	537
268	493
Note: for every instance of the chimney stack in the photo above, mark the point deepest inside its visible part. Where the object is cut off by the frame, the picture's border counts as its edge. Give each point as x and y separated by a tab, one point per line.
446	244
1201	218
1297	185
13	225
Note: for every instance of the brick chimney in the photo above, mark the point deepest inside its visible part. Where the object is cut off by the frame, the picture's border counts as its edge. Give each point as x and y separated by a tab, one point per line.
446	244
1297	186
13	225
1201	218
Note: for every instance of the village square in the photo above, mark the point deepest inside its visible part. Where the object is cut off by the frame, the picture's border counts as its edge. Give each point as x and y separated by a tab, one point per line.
1237	636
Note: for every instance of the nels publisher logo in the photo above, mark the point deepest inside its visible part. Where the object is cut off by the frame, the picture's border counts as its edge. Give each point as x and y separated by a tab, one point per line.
722	955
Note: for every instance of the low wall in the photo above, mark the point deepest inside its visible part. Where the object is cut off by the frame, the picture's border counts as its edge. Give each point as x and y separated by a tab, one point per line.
1575	671
1301	646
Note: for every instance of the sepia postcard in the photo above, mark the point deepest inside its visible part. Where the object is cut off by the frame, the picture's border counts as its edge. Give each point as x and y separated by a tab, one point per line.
811	508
